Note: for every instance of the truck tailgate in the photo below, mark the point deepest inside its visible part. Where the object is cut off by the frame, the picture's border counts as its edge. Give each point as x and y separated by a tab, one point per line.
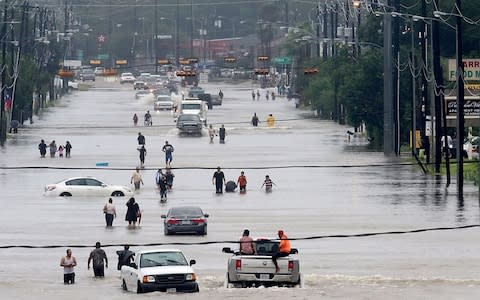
262	264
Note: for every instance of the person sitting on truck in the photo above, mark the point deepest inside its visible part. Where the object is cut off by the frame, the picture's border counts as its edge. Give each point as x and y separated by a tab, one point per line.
247	246
284	249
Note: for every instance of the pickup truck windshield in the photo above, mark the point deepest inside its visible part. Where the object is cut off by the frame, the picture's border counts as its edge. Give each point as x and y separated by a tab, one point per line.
184	118
157	259
191	106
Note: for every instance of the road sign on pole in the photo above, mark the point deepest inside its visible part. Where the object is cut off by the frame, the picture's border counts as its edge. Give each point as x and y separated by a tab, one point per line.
282	60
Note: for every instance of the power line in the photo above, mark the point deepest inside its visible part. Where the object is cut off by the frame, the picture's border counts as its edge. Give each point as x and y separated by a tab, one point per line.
308	238
386	165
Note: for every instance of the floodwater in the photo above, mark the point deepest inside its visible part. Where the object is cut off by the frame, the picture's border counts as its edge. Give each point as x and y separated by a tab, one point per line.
316	194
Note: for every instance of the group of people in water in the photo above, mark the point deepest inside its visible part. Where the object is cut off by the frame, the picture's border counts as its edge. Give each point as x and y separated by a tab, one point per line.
53	149
99	260
219	181
268	94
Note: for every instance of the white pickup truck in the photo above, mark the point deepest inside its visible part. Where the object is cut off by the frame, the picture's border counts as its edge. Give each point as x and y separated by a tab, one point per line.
258	269
165	270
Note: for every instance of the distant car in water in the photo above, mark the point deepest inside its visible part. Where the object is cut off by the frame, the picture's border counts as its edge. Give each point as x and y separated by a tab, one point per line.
87	74
189	124
141	94
99	71
163	102
185	219
85	186
140	85
126	78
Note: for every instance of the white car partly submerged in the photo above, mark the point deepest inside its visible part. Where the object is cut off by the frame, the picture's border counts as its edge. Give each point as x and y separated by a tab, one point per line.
85	186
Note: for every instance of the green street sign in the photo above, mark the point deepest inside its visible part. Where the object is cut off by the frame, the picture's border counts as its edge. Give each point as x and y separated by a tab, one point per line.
103	56
282	60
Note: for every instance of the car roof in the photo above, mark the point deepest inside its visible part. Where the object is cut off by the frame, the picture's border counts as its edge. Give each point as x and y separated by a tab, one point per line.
79	177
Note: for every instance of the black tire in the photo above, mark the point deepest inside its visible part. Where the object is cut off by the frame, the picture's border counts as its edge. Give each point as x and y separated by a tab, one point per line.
118	194
204	231
65	194
196	290
139	288
124	285
166	231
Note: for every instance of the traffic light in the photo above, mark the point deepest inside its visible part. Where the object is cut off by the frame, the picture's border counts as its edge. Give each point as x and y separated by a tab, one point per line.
263	58
65	73
230	59
310	71
183	73
261	71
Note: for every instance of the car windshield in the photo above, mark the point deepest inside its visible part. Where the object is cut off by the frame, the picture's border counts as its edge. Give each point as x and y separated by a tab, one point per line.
191	106
157	259
127	74
189	118
186	212
164	99
266	247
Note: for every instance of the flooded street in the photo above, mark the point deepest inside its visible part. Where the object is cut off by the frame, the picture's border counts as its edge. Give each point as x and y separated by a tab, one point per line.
317	193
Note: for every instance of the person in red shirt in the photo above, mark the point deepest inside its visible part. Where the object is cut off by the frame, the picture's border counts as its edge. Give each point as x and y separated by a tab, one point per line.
242	182
283	249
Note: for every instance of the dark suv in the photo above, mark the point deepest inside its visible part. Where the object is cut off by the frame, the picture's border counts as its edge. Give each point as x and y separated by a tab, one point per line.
189	124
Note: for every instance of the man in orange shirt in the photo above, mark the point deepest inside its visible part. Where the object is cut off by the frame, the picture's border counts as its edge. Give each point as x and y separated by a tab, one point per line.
283	249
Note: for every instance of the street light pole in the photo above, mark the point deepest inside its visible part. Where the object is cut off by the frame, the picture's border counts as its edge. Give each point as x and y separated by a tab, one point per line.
460	99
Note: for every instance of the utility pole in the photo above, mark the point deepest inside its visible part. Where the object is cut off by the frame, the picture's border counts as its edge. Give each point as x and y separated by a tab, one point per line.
155	39
177	17
396	80
388	134
437	72
318	29
460	99
3	119
325	30
191	28
425	104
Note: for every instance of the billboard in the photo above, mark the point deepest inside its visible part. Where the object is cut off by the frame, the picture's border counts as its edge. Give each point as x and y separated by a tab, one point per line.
471	69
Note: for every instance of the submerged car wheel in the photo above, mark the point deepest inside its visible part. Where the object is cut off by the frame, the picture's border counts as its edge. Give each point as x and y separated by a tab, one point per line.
65	194
166	231
124	285
139	288
117	194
